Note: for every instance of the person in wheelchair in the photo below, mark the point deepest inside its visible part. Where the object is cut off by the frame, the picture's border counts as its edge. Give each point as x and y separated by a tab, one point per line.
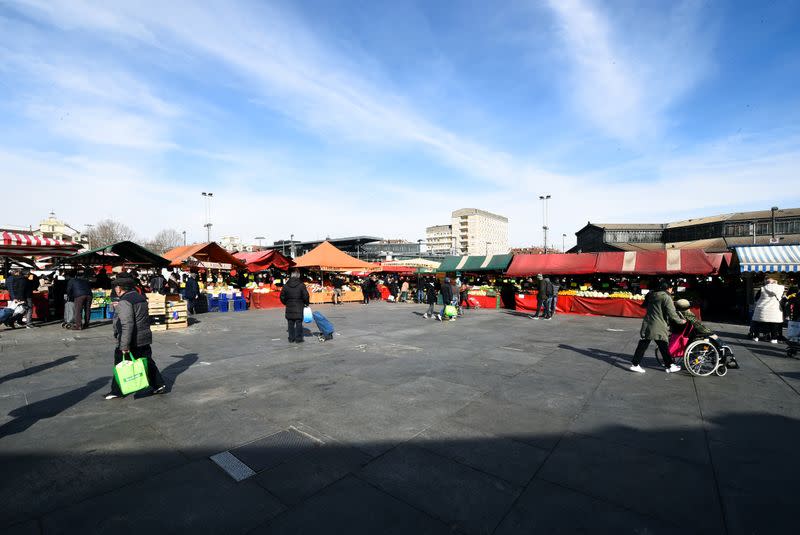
700	331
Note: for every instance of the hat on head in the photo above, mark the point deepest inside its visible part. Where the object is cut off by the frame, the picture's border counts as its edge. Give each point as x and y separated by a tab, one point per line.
682	304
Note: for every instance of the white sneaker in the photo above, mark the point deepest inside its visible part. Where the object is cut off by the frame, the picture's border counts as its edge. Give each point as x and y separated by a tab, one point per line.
637	369
673	368
755	339
773	341
425	316
438	317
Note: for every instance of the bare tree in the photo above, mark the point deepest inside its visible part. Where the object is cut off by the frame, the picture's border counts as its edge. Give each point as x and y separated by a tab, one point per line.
165	240
107	232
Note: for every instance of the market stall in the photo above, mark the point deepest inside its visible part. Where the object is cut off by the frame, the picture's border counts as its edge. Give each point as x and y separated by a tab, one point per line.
125	253
264	260
23	249
468	266
326	257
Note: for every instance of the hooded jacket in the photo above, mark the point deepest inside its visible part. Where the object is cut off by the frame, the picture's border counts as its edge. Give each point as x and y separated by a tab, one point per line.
294	296
660	312
768	305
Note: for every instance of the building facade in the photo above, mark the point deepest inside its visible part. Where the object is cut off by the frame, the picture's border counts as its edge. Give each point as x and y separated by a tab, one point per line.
713	234
439	240
477	232
56	229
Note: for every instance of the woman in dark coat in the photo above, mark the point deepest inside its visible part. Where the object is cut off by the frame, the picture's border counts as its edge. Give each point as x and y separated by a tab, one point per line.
655	326
294	296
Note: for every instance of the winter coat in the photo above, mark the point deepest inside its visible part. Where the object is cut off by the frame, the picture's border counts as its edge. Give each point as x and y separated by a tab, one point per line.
660	312
295	297
698	329
447	294
430	293
541	291
157	283
132	321
77	287
768	304
192	290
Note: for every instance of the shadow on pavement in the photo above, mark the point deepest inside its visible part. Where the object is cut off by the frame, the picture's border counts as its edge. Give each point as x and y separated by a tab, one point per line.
27	415
38	368
606	480
621	360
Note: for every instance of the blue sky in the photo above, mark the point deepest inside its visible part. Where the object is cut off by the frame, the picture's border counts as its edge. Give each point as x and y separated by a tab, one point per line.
335	117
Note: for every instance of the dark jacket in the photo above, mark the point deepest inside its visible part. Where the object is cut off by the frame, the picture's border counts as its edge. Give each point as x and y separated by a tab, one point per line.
447	293
430	292
76	287
132	321
699	330
660	312
157	283
31	285
294	296
192	290
10	286
541	292
549	288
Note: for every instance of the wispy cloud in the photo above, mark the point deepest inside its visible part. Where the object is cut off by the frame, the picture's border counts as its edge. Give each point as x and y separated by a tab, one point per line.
625	76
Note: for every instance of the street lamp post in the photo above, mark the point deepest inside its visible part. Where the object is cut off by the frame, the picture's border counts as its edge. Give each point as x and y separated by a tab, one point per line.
208	197
544	199
184	237
419	248
291	245
563	243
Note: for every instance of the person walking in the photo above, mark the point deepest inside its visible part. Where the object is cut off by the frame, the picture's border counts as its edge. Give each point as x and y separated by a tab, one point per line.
337	289
30	285
447	298
553	288
191	293
404	291
79	291
132	331
541	297
431	293
366	290
768	311
655	327
294	296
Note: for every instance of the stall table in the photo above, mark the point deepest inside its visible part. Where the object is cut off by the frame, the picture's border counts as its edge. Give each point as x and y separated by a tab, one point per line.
485	301
595	306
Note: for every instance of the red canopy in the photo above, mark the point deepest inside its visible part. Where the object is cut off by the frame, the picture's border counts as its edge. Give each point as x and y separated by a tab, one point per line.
669	262
263	260
29	245
558	264
407	270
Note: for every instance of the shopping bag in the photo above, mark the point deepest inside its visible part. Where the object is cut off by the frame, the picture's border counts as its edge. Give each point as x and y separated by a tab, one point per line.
323	323
678	343
308	316
131	374
450	311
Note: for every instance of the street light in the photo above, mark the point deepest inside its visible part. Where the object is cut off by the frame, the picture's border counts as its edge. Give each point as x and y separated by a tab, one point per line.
208	197
419	247
291	245
563	243
184	237
544	199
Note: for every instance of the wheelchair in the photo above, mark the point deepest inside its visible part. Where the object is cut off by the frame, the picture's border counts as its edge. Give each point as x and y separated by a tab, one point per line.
701	358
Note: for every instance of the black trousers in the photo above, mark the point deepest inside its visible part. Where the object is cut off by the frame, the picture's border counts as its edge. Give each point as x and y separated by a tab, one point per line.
83	307
295	330
153	374
644	343
541	307
366	295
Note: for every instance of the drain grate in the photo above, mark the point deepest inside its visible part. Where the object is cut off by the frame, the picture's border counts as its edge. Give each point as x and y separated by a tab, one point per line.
233	466
274	449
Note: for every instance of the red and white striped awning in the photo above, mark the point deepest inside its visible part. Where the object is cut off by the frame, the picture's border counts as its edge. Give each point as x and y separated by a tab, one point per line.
668	262
14	244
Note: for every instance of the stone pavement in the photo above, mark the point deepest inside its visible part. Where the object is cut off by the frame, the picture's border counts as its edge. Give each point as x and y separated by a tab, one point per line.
491	424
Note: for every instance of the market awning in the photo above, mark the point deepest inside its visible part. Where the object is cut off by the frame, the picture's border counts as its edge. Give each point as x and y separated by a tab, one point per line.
327	257
14	244
202	255
552	264
263	260
116	254
670	262
769	258
497	262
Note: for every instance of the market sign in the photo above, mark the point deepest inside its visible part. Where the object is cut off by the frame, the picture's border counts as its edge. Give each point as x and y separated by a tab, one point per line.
209	265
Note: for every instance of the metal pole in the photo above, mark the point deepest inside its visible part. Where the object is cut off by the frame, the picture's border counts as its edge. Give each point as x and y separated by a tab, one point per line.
754	232
184	237
774	209
563	243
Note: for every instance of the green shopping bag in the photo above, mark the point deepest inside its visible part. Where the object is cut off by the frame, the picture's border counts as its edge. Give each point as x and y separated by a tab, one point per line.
131	375
450	311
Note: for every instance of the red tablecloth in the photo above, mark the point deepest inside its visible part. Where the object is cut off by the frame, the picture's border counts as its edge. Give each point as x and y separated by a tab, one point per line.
596	306
265	300
485	301
384	291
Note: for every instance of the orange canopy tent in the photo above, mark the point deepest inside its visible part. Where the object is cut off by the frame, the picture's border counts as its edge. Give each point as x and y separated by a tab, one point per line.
327	257
202	255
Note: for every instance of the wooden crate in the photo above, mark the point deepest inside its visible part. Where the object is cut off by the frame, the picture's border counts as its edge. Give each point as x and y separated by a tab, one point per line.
179	325
157	328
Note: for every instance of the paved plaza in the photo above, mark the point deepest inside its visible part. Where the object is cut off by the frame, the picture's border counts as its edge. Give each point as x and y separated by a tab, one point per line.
491	424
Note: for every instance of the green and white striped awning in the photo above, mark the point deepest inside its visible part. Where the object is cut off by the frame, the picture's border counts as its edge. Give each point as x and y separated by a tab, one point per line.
497	262
769	258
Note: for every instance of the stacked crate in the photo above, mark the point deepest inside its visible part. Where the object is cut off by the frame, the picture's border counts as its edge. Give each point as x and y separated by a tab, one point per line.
177	317
157	305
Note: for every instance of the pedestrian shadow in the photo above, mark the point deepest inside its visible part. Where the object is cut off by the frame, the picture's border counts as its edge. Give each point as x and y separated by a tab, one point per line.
518	314
171	372
28	415
38	368
620	360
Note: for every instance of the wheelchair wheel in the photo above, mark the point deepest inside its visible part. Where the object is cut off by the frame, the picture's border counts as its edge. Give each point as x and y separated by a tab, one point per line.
701	359
721	370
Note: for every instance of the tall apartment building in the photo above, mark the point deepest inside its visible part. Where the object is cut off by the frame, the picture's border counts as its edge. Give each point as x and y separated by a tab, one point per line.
477	232
439	240
471	232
